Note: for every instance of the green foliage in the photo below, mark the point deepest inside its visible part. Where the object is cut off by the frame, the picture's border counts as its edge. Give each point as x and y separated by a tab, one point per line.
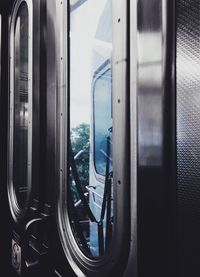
80	140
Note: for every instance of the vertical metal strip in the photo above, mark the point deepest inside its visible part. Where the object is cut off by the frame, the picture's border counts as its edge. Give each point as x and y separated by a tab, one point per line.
120	118
132	266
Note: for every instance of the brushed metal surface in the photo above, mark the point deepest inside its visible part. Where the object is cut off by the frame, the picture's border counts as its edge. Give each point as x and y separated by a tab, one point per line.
188	135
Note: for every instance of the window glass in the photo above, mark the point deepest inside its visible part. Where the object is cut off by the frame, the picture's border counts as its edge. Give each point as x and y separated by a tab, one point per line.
102	121
90	199
21	111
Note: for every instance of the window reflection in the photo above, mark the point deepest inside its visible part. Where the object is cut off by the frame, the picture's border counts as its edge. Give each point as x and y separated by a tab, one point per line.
20	142
90	199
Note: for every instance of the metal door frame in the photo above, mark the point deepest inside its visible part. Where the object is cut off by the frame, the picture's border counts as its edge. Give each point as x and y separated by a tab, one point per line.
119	248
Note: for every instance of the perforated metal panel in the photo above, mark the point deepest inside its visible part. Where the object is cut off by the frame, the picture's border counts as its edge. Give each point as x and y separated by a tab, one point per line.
188	135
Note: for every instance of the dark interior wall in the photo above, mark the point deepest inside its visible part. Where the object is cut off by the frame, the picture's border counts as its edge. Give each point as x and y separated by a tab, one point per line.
5	230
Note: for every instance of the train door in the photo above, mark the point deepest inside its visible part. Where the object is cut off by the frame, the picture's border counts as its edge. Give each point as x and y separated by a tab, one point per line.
24	168
115	192
92	147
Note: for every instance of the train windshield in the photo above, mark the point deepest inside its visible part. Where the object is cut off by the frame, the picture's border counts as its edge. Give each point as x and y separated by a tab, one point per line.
90	192
21	110
102	121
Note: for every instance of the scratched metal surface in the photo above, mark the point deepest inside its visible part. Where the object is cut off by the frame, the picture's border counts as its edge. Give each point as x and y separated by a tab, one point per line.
188	136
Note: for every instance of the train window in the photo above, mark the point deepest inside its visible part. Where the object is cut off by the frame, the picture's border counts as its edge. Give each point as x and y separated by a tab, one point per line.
20	109
102	121
90	198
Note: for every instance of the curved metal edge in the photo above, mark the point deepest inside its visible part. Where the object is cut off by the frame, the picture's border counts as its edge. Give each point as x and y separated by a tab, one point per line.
16	212
32	222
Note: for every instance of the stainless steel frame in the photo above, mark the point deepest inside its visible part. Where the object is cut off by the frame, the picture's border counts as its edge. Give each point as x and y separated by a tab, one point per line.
16	211
148	54
132	265
115	258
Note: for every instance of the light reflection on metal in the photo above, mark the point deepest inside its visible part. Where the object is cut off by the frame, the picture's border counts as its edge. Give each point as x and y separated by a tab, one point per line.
151	77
